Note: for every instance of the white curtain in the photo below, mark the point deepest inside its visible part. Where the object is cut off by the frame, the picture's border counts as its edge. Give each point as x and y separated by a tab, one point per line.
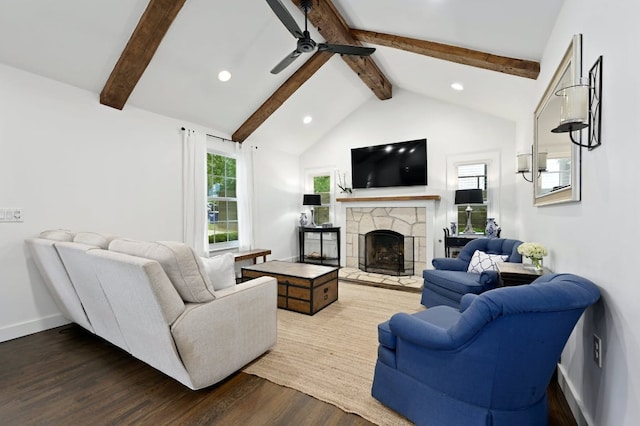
194	192
244	188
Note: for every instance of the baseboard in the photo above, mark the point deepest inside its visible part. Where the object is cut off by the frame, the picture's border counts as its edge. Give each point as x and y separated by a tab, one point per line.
575	403
29	327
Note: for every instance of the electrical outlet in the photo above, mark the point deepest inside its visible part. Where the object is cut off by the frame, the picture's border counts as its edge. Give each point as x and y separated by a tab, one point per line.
597	350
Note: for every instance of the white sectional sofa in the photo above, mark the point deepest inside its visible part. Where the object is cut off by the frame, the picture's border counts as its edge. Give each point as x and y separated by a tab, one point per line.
179	313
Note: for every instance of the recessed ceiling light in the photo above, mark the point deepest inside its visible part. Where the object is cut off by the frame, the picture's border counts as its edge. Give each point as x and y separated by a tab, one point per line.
224	75
457	86
307	119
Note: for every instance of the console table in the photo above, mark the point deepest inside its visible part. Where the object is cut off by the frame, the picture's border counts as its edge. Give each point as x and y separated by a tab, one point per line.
319	245
458	241
252	254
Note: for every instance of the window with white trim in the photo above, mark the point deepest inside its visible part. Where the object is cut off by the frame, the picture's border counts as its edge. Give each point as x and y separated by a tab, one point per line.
322	186
557	174
222	202
473	176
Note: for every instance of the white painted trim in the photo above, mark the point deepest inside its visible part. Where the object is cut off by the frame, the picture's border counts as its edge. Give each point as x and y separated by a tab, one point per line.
494	180
29	327
309	174
575	403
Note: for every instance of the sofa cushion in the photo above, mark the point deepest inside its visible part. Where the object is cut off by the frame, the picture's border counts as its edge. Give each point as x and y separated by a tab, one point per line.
481	261
58	235
453	282
221	270
183	267
94	239
385	337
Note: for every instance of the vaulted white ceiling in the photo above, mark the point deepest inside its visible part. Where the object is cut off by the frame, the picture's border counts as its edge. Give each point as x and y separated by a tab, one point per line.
78	42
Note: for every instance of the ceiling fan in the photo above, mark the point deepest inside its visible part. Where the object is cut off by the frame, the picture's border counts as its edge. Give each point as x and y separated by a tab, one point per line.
305	43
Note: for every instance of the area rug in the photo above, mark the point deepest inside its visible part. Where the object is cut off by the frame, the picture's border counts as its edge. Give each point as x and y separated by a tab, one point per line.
332	354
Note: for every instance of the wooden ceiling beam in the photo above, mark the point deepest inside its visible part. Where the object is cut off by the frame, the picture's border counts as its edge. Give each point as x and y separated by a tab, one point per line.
281	95
460	55
136	56
333	28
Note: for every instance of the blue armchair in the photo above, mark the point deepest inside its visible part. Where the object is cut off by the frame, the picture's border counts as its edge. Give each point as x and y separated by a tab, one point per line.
489	363
446	284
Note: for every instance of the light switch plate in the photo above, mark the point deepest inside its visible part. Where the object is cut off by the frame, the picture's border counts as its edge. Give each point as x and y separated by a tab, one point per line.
11	215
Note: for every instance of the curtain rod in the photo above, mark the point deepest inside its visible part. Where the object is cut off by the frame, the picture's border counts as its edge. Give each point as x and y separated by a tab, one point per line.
213	136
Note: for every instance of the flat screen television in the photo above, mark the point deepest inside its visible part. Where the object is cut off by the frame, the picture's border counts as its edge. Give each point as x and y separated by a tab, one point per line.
392	164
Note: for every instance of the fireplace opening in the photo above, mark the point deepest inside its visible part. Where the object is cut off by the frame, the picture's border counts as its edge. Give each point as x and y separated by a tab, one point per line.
386	252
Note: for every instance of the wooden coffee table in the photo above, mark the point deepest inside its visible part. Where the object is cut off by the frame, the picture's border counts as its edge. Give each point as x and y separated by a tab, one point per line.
302	287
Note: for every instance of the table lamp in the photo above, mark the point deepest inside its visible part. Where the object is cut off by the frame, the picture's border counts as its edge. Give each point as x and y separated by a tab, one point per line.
468	197
312	200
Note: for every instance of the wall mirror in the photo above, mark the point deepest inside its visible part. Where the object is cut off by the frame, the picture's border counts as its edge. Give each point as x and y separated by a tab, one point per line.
560	181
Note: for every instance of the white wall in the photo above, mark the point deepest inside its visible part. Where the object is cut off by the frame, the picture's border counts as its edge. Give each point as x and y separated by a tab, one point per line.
70	162
453	133
589	238
277	203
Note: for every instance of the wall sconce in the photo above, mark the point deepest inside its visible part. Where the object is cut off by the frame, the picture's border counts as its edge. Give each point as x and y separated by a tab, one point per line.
524	164
581	107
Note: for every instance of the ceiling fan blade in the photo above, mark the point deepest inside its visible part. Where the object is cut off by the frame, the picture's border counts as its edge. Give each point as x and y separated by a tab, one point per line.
344	49
286	62
285	17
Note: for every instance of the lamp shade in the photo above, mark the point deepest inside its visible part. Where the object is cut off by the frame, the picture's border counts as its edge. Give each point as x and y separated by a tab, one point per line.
469	196
311	200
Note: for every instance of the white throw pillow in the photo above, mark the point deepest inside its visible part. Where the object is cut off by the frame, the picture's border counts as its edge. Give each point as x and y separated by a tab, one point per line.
183	267
221	270
481	261
94	239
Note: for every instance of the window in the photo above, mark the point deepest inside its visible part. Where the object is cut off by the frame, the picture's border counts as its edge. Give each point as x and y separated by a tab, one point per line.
557	175
473	176
222	204
322	186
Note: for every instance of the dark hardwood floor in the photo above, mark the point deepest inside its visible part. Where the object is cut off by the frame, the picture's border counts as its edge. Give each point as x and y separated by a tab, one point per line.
67	376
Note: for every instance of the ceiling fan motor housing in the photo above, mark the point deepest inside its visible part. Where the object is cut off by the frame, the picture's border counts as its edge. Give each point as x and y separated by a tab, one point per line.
305	44
306	5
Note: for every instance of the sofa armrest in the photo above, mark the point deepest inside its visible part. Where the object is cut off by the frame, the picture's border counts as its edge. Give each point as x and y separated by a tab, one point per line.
420	332
489	279
466	301
449	264
216	338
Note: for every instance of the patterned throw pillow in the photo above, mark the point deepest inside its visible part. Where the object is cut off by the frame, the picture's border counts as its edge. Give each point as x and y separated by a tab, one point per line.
481	261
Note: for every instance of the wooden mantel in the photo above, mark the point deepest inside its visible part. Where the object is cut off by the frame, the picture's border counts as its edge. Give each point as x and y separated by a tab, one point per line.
396	198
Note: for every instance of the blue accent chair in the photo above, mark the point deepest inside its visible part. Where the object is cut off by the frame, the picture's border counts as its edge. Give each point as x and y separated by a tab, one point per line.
488	363
446	284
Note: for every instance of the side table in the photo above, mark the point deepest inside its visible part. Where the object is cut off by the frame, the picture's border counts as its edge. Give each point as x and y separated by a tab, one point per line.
516	274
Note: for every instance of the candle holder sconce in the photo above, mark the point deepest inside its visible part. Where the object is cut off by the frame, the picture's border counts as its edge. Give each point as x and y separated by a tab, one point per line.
581	108
524	167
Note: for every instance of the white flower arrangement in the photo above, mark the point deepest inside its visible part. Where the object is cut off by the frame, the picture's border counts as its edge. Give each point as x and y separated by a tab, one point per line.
532	250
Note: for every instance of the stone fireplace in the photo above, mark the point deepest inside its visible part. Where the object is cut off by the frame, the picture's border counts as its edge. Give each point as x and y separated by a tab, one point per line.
406	221
386	252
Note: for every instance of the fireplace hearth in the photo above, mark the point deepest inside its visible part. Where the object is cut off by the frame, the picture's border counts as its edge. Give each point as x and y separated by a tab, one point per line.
384	251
